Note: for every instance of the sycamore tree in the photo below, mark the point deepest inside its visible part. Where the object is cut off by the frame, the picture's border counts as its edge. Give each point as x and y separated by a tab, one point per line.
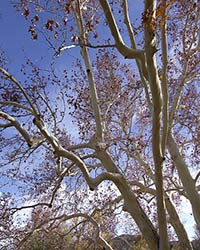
132	94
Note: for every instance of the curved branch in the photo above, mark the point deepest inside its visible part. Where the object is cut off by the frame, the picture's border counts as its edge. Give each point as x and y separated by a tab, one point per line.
10	77
123	49
17	125
197	177
186	178
140	63
173	215
16	104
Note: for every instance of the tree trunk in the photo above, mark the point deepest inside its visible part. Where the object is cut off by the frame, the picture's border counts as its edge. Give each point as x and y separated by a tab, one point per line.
131	204
150	50
186	178
178	226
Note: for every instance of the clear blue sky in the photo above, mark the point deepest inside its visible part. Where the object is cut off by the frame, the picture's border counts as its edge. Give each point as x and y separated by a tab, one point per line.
15	39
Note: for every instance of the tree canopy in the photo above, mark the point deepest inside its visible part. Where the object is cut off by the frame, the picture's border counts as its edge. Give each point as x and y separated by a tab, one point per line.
110	138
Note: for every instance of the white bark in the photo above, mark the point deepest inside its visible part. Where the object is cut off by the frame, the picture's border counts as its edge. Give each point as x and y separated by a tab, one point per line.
155	86
186	178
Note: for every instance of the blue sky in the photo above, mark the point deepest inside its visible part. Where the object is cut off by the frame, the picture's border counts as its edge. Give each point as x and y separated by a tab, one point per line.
16	41
15	37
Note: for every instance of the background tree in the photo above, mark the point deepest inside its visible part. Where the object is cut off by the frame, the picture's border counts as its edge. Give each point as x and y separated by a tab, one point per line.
136	121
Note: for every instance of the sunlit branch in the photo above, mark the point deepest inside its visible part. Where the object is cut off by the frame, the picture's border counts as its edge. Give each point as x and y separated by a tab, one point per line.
150	48
18	126
75	159
177	98
50	109
92	182
82	44
114	177
128	24
174	219
61	152
164	85
50	138
142	187
184	73
140	63
10	77
123	49
185	176
92	87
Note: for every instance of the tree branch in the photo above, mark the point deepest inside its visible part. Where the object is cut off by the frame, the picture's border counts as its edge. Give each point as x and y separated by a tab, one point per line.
63	218
92	87
127	52
17	125
186	178
150	49
140	63
16	104
165	113
10	77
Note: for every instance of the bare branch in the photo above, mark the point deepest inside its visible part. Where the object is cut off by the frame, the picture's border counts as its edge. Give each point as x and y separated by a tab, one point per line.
64	218
89	45
123	49
16	104
165	115
10	77
185	176
150	48
17	125
93	91
197	177
140	63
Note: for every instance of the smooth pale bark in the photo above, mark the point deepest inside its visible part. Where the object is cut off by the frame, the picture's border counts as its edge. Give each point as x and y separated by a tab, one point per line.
178	226
156	94
104	243
131	203
150	49
141	64
186	178
164	82
174	219
127	52
92	86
